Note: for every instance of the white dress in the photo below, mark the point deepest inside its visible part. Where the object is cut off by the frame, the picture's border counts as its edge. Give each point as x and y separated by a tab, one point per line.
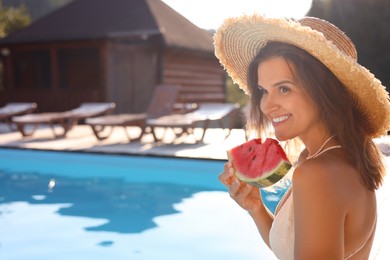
281	235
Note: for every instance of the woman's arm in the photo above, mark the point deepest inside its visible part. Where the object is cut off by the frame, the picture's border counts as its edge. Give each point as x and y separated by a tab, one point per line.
249	198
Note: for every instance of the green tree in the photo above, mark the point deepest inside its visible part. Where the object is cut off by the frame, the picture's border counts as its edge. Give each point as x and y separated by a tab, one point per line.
38	8
12	18
234	94
367	23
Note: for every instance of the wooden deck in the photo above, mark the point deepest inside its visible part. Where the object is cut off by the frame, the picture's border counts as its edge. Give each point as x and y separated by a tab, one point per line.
214	147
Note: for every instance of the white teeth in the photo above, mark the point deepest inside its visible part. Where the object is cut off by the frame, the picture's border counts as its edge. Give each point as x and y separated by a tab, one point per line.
279	119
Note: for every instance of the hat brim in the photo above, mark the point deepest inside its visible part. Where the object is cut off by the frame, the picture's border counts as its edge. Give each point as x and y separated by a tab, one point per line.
239	39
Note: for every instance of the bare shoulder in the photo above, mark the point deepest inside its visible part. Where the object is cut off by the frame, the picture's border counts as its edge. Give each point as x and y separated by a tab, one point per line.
326	178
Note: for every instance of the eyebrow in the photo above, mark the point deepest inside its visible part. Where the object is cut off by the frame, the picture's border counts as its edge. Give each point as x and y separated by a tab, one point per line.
279	83
283	82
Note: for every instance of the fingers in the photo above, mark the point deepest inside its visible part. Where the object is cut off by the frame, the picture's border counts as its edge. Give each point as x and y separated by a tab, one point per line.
244	191
227	177
239	190
234	188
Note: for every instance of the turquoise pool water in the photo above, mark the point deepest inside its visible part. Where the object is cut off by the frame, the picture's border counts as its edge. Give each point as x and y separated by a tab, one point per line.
58	205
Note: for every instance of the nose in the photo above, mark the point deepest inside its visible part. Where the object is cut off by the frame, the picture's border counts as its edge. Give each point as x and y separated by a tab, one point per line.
269	103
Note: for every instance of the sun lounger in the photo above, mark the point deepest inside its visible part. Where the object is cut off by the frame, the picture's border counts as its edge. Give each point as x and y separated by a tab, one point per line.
205	114
15	109
66	119
162	103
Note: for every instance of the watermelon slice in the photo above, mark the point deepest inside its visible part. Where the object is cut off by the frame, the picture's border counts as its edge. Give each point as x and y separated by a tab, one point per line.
259	164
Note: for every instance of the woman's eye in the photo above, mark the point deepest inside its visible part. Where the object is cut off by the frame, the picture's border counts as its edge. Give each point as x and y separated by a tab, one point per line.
283	89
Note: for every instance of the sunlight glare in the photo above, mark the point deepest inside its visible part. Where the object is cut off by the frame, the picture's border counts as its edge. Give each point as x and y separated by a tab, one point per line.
210	14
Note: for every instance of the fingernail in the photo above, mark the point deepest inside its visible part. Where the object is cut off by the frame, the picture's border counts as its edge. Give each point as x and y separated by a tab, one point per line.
231	170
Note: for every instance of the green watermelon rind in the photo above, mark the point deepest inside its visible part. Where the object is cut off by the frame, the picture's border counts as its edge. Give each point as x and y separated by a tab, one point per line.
269	178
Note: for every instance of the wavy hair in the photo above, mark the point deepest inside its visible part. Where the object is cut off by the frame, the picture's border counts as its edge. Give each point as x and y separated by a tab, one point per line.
337	108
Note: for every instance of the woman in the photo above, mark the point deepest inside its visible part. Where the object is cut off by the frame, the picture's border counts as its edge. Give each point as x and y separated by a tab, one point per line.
304	81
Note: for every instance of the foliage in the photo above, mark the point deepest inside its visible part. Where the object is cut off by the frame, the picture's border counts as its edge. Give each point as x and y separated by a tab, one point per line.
234	94
38	8
367	23
12	18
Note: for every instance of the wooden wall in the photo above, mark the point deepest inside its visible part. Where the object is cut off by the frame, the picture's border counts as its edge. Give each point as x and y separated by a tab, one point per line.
201	77
58	76
132	75
101	71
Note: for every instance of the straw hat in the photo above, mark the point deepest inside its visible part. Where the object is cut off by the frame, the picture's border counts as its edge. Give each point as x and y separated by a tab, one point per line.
239	39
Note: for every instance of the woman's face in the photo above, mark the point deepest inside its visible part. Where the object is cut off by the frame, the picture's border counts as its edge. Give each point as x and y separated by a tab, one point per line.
291	112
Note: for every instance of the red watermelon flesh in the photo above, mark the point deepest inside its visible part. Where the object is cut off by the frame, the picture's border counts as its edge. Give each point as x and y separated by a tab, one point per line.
260	164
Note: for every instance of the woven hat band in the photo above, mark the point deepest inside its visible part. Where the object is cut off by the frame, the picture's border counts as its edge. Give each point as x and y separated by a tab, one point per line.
333	34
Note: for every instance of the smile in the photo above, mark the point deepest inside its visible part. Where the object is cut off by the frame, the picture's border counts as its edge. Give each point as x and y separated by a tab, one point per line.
279	119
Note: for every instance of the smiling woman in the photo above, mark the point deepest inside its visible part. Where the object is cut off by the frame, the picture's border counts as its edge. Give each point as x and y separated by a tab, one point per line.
304	82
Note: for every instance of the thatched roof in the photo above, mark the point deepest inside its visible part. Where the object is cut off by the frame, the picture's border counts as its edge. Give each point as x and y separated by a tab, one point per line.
99	19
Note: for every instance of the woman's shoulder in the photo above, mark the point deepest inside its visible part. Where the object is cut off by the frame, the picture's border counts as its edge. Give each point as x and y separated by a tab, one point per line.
324	166
328	176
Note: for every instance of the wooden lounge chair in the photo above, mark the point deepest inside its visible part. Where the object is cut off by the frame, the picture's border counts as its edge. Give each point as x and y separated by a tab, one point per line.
66	119
162	103
205	114
12	109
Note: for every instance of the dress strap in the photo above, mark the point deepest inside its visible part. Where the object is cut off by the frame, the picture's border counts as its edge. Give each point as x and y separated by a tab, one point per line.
365	242
323	151
297	163
320	151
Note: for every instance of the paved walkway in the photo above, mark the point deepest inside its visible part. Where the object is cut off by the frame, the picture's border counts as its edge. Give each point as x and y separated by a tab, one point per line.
81	138
214	146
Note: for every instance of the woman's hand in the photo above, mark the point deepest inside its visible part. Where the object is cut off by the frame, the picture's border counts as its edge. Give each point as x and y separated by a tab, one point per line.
246	195
249	198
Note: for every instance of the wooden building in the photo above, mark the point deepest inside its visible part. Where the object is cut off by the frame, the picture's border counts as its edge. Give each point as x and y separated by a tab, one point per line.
109	50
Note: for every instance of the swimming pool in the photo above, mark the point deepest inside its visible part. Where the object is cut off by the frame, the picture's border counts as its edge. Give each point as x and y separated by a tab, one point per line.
61	205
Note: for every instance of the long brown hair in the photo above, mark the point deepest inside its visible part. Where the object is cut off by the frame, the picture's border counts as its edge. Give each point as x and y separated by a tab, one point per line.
337	108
